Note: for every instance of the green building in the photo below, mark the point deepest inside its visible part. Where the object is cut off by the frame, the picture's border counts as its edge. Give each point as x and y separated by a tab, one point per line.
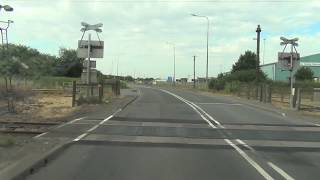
275	72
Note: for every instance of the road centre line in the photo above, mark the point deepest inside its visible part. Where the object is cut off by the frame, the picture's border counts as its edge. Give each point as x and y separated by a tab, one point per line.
194	108
280	171
208	115
245	144
241	152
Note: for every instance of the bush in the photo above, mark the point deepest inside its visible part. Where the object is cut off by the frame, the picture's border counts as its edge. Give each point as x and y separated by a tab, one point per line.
304	74
231	81
123	85
6	141
233	86
246	76
217	84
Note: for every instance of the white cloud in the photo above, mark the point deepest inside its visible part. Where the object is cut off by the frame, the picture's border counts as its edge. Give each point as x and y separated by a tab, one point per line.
140	30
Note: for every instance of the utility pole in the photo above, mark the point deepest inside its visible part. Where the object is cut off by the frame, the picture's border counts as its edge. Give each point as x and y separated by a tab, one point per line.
174	65
174	62
118	69
194	71
264	50
291	79
258	51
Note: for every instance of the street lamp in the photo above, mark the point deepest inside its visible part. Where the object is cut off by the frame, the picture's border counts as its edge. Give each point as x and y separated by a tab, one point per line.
174	62
6	8
195	15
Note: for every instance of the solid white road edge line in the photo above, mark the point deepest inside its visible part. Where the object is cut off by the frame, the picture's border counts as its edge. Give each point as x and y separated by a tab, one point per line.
93	128
70	122
242	153
64	124
96	126
245	144
249	160
194	108
80	137
208	115
229	104
39	135
280	171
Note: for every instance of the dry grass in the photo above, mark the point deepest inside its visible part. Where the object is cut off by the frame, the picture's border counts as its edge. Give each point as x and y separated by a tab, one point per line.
42	107
6	141
52	106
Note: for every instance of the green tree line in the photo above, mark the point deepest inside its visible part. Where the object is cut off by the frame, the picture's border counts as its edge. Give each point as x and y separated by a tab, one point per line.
244	71
19	61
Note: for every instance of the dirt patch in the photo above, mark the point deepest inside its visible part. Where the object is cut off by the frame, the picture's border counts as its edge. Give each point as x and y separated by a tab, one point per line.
42	108
51	107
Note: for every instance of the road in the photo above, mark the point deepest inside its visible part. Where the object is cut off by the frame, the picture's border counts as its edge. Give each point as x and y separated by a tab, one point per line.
176	134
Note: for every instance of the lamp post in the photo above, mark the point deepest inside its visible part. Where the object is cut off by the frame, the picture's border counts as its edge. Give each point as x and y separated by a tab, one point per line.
6	8
174	62
207	43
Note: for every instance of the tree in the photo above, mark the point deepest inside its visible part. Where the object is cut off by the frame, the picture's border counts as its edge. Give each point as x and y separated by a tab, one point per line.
246	61
68	64
304	74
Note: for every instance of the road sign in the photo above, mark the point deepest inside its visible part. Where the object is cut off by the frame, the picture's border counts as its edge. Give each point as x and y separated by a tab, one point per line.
87	27
93	76
96	49
284	60
92	63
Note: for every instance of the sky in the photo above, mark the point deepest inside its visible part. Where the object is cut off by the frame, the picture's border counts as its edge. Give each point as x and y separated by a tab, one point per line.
136	32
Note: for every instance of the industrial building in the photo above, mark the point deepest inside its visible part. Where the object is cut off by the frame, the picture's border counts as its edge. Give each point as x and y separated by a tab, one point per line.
275	72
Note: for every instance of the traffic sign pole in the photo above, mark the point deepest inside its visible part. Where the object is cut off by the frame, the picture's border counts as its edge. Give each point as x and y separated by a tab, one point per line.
291	79
88	65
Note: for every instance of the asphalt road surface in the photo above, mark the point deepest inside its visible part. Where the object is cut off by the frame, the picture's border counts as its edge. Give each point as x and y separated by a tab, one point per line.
180	135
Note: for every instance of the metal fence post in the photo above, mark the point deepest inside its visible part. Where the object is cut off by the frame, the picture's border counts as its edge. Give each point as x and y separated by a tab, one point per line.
100	91
298	101
265	92
74	91
248	91
118	84
270	94
261	92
